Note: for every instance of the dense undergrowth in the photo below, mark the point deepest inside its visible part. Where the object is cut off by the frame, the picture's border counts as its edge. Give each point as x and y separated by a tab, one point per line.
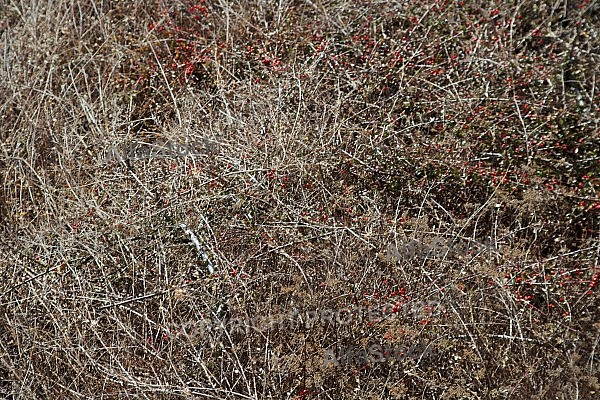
342	127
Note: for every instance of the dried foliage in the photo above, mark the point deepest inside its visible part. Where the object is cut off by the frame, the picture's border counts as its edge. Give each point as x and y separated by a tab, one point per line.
342	127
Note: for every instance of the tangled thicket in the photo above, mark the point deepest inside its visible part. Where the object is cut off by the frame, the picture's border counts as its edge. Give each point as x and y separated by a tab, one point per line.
342	127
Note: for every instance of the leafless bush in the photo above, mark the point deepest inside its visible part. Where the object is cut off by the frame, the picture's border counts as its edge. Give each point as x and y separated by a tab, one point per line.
342	127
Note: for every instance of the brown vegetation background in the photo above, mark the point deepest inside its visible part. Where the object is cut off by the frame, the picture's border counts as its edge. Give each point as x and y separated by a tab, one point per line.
342	126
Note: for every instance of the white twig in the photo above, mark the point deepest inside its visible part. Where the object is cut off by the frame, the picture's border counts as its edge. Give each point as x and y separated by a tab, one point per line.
196	242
